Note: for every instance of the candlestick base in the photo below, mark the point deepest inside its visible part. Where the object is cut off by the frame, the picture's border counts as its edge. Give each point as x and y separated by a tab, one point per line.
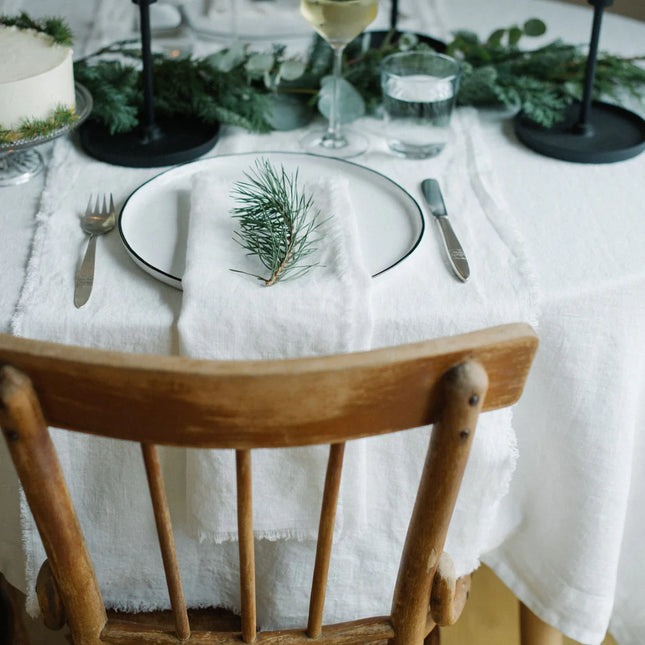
610	134
176	140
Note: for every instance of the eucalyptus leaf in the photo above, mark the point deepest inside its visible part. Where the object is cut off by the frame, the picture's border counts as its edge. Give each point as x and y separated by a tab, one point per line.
534	27
469	37
226	59
259	63
495	38
290	70
407	41
351	105
287	112
514	35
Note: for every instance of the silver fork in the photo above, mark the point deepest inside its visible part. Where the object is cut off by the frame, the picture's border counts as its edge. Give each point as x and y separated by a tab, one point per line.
96	221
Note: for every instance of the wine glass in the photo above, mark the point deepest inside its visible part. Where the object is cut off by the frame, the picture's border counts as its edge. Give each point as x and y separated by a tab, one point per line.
338	22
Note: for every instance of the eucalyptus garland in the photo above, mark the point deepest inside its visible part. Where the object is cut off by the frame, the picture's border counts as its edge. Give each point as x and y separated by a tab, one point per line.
55	28
255	90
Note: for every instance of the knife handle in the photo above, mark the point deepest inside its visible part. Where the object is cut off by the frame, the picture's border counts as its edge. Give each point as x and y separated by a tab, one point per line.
456	254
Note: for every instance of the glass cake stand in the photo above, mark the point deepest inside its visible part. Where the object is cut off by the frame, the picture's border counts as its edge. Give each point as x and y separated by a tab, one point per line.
20	161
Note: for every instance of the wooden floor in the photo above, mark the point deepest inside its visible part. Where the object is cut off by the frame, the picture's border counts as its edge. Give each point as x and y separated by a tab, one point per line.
490	616
630	8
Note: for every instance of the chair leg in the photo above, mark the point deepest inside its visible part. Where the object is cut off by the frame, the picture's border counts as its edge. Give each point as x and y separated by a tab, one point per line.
434	637
534	631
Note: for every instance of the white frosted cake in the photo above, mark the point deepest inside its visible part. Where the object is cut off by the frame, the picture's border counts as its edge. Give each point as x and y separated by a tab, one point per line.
36	76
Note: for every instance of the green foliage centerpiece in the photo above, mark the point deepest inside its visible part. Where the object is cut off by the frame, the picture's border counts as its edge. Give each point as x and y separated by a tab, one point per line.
255	90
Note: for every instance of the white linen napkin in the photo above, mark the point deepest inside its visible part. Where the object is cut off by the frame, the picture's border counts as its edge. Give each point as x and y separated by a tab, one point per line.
231	315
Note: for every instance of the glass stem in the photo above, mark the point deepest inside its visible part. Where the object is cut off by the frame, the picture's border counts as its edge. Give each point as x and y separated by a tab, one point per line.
333	129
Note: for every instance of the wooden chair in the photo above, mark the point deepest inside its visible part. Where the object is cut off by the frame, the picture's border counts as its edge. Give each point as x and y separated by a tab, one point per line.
244	405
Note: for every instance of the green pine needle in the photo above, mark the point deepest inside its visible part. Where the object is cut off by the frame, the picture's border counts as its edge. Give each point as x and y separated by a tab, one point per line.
276	221
55	28
185	86
60	118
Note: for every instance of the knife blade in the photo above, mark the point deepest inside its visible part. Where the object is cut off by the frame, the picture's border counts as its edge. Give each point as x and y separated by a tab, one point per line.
456	255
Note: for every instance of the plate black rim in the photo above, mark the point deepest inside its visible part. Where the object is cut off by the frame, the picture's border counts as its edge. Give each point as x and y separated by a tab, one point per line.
177	279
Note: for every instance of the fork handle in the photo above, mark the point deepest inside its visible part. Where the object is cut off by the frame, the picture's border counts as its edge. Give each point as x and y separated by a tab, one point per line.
85	275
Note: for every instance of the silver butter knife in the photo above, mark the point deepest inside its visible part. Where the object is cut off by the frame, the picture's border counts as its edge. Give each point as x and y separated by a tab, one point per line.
456	255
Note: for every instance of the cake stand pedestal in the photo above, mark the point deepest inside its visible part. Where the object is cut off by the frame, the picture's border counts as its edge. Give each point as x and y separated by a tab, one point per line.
19	167
19	161
157	141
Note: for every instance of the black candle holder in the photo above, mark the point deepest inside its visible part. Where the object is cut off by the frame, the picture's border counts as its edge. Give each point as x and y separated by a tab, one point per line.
158	141
592	131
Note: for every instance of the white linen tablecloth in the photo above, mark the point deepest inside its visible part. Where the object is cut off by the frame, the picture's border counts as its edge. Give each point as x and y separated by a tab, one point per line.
556	244
144	316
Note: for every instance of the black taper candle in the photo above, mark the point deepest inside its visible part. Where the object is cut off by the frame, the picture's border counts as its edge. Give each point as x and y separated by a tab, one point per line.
149	129
394	14
584	126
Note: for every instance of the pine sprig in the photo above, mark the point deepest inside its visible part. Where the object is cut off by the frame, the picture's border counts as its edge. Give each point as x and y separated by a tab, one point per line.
277	222
55	28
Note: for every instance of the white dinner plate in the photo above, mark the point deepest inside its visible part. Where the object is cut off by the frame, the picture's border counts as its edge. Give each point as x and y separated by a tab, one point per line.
153	223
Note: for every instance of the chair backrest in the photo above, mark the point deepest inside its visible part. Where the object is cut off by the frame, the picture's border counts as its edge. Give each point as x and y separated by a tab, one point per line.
245	405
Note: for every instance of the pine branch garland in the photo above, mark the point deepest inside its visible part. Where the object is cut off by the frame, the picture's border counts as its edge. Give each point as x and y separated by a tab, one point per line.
183	86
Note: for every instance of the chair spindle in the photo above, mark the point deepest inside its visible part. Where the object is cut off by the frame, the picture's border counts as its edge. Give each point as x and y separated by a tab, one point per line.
166	539
245	536
325	538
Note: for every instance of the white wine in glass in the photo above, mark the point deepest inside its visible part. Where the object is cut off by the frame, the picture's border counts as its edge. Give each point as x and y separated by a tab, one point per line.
338	22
